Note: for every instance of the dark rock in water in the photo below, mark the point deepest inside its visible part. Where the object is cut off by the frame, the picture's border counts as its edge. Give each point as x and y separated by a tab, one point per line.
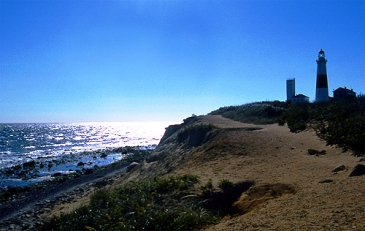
80	164
132	166
22	173
30	164
9	172
121	150
104	155
358	170
62	179
339	168
118	150
89	171
57	174
316	152
16	168
15	190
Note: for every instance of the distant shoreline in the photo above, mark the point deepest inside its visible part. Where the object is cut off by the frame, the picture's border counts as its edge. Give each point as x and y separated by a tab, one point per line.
38	170
50	194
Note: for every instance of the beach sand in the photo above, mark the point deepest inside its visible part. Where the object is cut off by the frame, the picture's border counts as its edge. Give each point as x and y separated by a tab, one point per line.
275	155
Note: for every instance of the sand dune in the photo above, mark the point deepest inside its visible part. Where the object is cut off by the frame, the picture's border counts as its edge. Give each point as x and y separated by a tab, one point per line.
273	155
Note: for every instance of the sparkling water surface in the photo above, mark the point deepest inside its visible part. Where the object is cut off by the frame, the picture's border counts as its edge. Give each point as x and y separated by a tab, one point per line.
24	142
21	141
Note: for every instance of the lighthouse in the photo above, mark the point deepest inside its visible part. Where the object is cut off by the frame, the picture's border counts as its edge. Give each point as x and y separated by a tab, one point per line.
322	84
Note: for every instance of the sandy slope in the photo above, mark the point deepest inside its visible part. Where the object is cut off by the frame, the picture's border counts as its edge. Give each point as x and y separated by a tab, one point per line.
274	155
287	194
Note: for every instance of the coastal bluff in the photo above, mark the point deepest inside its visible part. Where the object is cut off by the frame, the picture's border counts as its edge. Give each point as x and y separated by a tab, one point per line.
297	182
293	190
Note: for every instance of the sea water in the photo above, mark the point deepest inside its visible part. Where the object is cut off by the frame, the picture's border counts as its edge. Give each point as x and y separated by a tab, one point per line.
25	142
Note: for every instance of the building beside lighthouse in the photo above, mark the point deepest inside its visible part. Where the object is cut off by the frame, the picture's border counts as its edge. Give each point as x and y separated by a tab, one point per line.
343	93
321	83
290	89
290	93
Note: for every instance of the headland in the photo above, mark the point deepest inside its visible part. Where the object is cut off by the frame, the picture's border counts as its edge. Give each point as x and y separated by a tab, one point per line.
298	182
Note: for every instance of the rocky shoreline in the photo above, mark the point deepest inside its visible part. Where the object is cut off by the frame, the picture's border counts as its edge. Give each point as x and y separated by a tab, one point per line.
27	208
45	168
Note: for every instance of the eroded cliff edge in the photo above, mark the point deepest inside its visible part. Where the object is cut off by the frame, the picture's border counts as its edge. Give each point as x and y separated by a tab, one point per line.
196	136
292	188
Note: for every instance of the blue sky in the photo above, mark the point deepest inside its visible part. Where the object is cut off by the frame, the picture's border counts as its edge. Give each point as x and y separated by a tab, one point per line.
74	61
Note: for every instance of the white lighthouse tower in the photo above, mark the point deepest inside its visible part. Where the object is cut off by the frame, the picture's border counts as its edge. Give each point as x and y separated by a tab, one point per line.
321	84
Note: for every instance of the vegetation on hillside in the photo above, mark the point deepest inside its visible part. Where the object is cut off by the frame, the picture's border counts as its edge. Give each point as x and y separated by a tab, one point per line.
342	123
339	123
257	113
171	203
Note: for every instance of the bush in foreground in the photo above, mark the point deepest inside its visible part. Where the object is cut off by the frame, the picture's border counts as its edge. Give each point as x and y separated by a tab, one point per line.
158	204
171	203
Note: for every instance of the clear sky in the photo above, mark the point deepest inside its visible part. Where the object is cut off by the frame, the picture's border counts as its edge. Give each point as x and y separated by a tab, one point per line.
74	61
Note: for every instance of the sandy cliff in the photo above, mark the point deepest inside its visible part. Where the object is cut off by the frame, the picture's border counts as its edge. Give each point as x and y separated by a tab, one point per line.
293	190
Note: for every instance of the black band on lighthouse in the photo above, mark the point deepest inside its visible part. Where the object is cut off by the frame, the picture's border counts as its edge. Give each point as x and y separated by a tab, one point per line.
322	81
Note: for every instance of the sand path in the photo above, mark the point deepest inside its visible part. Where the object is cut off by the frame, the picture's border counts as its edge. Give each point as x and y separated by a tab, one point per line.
275	155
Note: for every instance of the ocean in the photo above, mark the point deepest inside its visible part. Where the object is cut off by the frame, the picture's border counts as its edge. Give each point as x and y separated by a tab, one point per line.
61	146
